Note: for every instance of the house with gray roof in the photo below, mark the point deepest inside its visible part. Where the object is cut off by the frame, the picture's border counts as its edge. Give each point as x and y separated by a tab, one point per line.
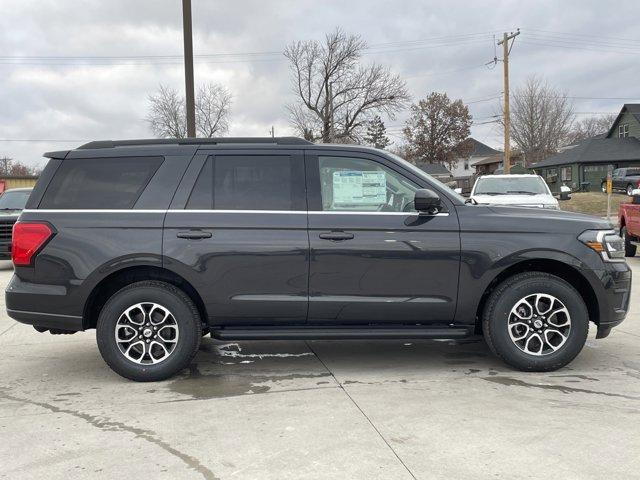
584	164
436	170
474	152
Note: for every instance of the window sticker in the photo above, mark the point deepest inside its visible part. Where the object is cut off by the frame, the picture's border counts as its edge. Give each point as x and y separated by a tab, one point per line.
354	187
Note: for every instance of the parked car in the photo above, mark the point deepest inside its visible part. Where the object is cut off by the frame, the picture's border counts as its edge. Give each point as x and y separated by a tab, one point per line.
623	180
12	202
516	190
629	221
156	242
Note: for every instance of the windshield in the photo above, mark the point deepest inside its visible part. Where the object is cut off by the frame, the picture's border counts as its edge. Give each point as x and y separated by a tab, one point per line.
422	173
510	186
14	200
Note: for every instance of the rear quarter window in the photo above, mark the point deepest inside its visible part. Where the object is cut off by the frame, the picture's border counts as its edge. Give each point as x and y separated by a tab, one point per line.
99	183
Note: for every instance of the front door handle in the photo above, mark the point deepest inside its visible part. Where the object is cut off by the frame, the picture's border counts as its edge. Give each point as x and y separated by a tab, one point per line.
336	236
194	234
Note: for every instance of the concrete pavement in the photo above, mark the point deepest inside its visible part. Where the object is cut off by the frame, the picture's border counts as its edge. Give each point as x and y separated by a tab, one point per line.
319	410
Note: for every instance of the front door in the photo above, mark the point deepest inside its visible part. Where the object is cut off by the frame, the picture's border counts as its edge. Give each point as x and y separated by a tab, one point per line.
237	231
373	258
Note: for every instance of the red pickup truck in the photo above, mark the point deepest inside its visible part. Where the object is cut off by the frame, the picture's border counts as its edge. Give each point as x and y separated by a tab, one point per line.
629	221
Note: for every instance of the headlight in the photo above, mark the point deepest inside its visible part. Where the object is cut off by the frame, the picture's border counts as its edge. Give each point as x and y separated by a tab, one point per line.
606	242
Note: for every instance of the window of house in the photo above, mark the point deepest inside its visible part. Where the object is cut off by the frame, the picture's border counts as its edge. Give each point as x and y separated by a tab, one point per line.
551	175
565	174
249	182
623	130
362	185
100	183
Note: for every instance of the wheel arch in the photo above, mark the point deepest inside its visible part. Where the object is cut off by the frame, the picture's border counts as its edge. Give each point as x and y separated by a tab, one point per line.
113	282
545	265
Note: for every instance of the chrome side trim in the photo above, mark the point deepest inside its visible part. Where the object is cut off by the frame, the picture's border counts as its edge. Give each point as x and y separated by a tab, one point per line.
281	212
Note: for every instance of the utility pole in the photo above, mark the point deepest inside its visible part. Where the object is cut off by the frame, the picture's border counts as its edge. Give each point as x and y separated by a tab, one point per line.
506	49
188	68
273	132
331	125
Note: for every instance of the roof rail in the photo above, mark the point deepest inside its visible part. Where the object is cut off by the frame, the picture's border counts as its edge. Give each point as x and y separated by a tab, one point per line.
196	141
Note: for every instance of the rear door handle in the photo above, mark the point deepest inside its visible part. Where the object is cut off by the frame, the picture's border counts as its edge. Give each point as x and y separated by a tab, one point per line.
194	234
336	236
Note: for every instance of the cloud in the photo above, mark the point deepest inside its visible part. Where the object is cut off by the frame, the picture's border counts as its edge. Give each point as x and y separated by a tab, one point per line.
74	102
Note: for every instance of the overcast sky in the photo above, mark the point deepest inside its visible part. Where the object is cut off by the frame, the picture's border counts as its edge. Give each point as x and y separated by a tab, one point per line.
587	48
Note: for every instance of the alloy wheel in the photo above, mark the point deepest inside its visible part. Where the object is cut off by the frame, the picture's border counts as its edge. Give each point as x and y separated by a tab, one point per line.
146	333
539	324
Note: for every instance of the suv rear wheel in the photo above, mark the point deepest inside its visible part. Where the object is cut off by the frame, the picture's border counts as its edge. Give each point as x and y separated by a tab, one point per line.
535	322
149	331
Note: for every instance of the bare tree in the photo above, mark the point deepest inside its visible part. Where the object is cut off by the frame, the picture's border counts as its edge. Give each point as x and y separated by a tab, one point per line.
166	115
437	128
167	118
590	127
541	119
213	106
337	95
10	167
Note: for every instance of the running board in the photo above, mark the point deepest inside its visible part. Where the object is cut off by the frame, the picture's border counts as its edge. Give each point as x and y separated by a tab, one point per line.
338	333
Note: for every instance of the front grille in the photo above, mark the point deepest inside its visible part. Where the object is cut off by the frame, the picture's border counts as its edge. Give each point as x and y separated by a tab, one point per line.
6	226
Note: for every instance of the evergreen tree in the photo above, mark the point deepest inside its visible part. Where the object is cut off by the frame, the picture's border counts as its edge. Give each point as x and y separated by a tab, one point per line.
376	135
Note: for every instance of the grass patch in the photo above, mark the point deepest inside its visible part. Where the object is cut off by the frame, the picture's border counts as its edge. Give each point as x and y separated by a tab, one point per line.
593	203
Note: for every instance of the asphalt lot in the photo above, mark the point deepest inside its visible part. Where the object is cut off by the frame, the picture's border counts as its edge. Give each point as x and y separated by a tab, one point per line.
343	410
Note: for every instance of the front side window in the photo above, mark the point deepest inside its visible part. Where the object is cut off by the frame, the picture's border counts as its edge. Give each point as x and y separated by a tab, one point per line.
246	182
100	183
362	185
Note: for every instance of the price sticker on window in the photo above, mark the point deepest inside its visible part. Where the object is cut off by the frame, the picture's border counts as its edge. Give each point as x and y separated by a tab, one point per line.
361	188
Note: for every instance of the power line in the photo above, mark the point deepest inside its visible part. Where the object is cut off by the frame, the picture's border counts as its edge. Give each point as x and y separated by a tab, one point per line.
589	37
234	57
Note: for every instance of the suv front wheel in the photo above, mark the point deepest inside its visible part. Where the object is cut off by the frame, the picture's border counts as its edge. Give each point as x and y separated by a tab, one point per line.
535	322
149	331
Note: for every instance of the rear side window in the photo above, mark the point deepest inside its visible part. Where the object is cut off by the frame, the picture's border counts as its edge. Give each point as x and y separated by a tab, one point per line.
100	183
250	182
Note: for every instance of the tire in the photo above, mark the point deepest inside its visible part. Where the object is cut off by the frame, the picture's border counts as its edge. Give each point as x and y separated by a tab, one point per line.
630	189
629	248
173	312
498	313
603	187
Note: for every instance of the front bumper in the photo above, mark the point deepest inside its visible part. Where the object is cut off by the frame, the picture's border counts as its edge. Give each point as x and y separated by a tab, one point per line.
613	290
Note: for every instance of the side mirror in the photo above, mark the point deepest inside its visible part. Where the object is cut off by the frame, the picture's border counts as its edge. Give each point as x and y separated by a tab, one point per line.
427	201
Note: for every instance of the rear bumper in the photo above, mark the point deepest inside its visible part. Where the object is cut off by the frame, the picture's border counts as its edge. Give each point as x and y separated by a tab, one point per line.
25	302
47	320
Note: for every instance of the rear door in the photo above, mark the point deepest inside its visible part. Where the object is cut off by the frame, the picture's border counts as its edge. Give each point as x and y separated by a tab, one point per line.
373	258
618	178
237	231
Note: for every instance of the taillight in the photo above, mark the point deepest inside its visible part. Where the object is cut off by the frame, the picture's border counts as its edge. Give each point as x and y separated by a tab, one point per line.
27	240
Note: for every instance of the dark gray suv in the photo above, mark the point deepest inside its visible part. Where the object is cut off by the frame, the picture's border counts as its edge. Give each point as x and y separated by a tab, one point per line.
155	243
